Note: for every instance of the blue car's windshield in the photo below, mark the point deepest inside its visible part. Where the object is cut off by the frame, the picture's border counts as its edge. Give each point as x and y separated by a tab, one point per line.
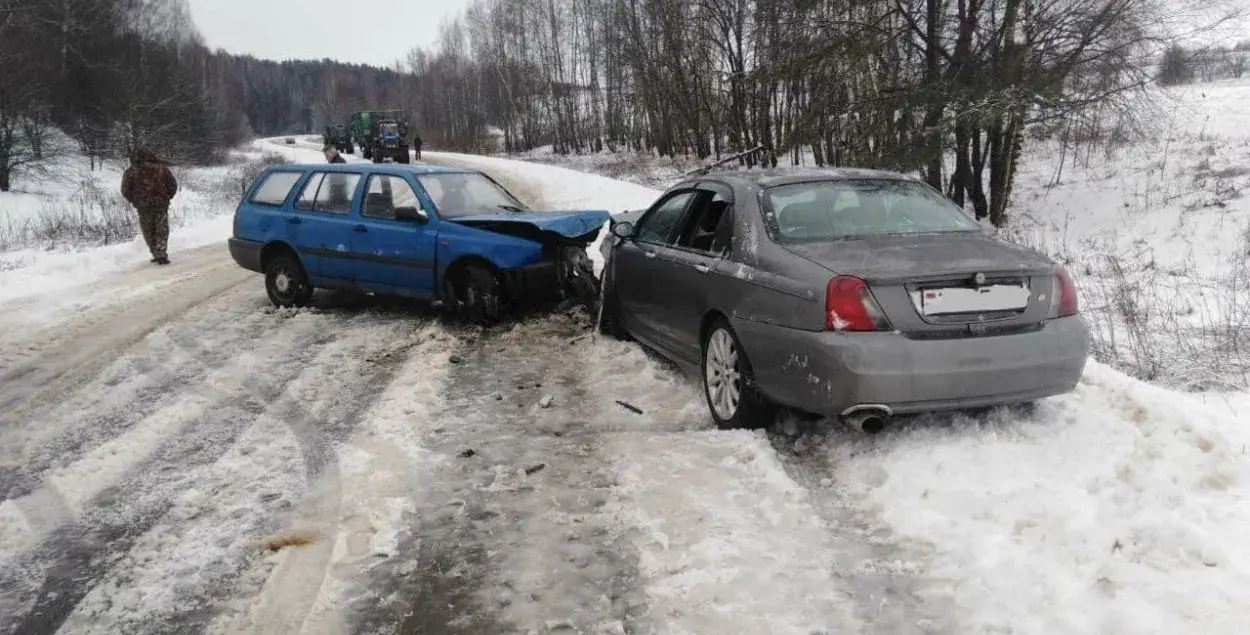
467	193
838	209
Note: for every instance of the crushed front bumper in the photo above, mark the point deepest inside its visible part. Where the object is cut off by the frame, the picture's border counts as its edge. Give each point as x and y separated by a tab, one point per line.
565	274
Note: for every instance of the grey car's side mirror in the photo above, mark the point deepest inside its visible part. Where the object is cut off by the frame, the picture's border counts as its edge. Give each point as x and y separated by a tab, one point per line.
411	214
623	230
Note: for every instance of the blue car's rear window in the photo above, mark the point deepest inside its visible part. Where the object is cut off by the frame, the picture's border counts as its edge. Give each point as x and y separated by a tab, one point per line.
275	188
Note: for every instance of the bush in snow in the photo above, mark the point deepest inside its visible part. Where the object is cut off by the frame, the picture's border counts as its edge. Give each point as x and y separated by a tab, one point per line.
1177	67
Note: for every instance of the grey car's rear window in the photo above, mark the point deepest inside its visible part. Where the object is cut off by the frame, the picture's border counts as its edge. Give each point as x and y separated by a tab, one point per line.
832	210
274	190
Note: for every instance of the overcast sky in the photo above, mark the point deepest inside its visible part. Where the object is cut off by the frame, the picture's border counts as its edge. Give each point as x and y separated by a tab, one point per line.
365	31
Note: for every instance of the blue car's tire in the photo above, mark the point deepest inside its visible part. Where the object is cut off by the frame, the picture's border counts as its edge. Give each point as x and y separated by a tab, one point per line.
286	283
473	295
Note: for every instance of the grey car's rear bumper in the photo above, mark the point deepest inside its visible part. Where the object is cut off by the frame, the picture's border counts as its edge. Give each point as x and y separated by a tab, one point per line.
827	373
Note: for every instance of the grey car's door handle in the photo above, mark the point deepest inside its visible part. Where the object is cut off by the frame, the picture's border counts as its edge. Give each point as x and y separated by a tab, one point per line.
360	228
294	220
702	268
649	254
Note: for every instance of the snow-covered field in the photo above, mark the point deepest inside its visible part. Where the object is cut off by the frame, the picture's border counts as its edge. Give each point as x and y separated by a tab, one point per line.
55	235
150	445
1157	234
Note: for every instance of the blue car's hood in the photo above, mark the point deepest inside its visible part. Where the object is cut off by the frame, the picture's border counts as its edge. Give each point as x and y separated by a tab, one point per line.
578	226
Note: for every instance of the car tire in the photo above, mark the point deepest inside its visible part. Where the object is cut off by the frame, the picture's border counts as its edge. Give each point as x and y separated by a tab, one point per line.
286	282
609	309
729	382
473	295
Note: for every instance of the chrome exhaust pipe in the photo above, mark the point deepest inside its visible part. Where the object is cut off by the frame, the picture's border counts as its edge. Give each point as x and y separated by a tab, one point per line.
868	420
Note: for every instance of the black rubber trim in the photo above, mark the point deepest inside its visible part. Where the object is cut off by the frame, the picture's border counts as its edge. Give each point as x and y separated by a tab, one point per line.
246	253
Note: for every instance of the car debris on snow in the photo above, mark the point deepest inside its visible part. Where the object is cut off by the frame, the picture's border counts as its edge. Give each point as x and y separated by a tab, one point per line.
546	401
280	541
557	626
468	454
630	407
456	359
534	469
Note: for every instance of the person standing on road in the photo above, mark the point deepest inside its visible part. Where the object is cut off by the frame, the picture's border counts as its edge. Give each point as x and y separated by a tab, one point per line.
416	145
333	156
149	186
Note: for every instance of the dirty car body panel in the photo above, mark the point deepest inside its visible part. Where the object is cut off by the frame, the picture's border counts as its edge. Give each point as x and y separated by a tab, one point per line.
389	233
773	284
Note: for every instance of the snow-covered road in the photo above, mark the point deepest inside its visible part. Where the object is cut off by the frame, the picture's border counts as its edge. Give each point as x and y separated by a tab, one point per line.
164	427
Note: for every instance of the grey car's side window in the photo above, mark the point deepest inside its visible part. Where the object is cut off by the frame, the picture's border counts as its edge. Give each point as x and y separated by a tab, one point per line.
660	225
709	226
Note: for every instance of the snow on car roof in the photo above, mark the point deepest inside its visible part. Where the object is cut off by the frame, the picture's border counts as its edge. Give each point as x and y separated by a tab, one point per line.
381	168
770	177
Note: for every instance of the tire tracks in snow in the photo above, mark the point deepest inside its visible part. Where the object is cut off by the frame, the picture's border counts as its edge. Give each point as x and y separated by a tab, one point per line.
885	578
71	352
316	412
148	377
68	563
443	540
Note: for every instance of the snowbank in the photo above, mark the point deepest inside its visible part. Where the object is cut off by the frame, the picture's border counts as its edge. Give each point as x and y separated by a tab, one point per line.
1119	509
200	215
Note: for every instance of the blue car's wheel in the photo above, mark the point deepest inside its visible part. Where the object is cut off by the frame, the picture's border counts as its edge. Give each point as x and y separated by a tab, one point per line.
473	294
286	283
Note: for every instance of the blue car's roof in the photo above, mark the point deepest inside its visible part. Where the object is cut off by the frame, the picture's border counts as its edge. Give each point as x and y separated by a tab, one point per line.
375	168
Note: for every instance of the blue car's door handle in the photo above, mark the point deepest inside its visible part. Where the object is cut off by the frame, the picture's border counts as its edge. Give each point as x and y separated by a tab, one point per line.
294	220
360	228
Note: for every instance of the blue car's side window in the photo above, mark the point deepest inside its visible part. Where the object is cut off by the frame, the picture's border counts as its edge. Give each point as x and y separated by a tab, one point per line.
384	193
275	188
308	196
329	192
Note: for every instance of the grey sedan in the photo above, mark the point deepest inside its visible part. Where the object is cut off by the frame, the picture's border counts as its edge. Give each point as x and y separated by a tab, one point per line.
854	294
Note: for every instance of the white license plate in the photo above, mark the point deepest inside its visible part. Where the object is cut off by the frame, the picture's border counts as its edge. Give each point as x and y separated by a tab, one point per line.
999	297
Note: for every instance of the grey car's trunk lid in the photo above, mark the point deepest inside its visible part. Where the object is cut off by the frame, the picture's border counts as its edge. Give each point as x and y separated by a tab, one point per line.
928	284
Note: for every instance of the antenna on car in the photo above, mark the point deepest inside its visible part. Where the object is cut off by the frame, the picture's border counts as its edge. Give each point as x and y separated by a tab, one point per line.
759	149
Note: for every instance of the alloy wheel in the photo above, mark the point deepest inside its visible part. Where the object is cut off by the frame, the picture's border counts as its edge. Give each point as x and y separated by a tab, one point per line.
722	375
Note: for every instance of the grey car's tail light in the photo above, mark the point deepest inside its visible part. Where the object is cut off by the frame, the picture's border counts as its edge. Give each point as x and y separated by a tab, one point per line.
849	306
1063	300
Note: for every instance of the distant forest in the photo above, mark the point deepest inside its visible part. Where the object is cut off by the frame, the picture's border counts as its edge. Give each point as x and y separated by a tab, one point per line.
948	89
112	74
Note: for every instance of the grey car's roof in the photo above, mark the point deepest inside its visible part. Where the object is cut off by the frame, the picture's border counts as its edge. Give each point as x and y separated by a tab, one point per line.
771	177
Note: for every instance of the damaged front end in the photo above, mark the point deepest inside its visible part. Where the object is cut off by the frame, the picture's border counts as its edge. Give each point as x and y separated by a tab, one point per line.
565	271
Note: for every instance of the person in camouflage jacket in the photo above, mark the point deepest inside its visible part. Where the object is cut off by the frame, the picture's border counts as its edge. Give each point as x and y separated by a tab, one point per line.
149	185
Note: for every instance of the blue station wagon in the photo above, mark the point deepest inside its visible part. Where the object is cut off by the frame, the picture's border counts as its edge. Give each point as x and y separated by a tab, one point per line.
453	236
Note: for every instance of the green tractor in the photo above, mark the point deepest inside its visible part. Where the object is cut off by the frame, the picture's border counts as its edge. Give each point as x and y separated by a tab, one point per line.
382	135
339	137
